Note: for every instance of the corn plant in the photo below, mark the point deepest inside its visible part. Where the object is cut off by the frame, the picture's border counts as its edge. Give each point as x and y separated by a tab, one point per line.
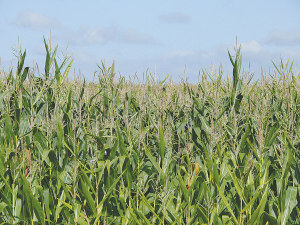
113	151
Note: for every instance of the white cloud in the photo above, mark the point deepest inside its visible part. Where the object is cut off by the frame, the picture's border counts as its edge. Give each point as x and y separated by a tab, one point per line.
132	36
252	47
84	57
175	17
282	38
35	20
176	53
102	35
99	35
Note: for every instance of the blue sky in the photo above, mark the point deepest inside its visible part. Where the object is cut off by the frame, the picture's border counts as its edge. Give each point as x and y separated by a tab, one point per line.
172	37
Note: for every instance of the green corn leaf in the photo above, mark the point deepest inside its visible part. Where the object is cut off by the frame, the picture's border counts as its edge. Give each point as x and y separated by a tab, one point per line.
141	215
87	195
183	188
272	135
69	102
290	203
47	63
172	211
24	75
267	218
163	176
60	135
53	55
216	176
288	162
256	195
224	110
68	69
32	202
134	217
6	184
66	192
9	77
21	63
2	206
57	73
226	203
122	199
39	96
18	208
69	218
67	146
150	207
113	151
8	129
87	180
236	183
163	81
197	214
107	195
82	90
38	210
82	221
255	217
20	102
276	68
264	179
66	204
216	220
205	123
77	212
46	202
167	161
244	138
122	147
236	67
231	59
161	144
128	175
115	196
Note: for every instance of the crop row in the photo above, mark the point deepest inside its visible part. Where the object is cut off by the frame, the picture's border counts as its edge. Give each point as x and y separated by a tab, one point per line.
117	152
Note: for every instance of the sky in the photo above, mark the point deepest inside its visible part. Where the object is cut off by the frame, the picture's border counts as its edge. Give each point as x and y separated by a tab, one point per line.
179	38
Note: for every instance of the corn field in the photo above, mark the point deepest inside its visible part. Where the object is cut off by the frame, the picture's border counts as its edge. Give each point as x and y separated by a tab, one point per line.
118	152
